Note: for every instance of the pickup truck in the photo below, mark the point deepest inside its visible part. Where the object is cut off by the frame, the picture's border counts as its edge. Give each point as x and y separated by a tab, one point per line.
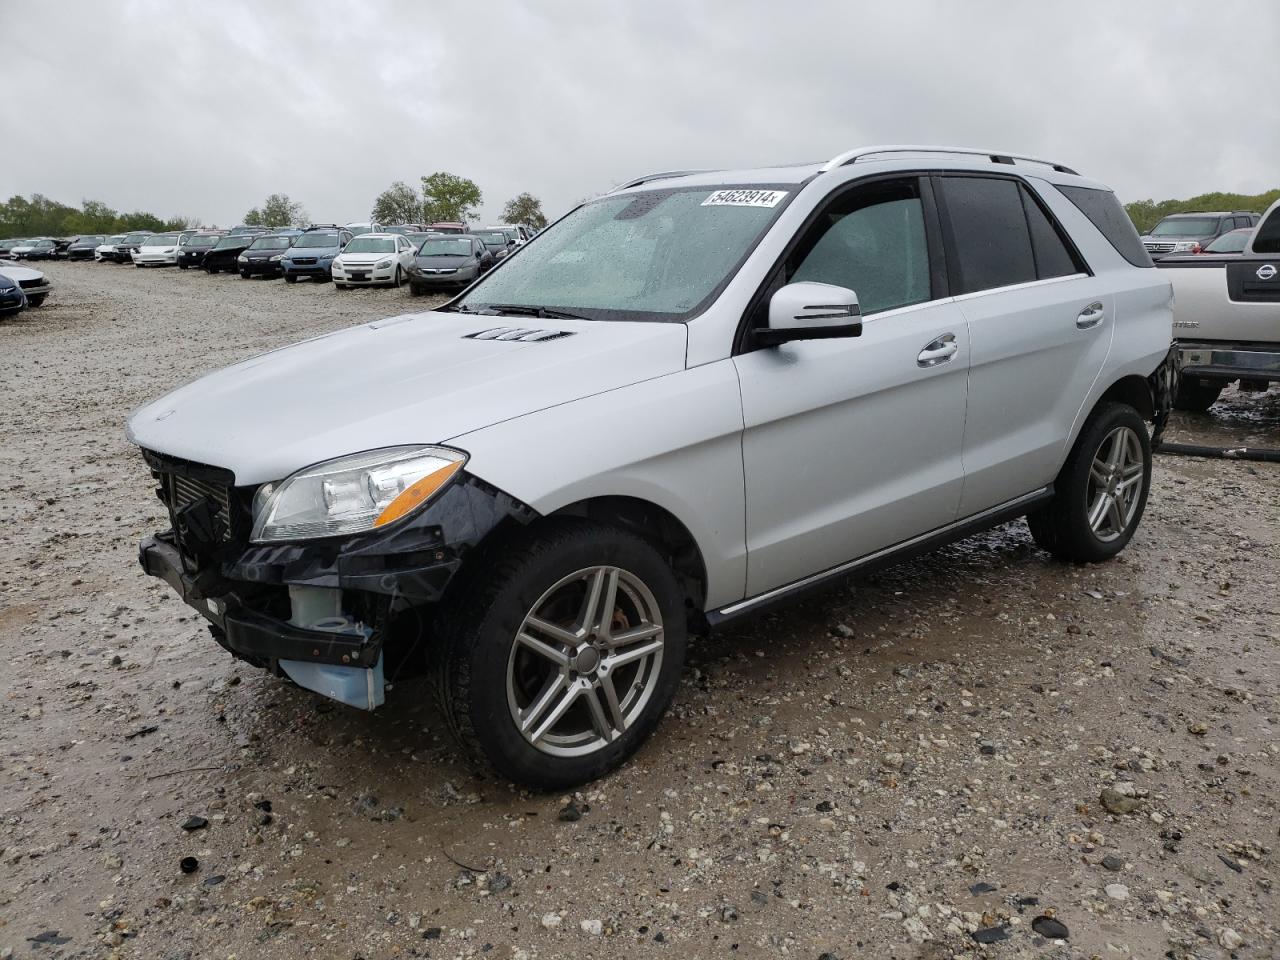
1226	317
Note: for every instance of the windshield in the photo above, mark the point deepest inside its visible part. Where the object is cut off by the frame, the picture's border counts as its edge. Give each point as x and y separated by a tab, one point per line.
271	243
116	238
657	255
91	239
493	238
136	238
162	240
231	241
203	241
317	238
1233	242
370	245
1184	227
439	247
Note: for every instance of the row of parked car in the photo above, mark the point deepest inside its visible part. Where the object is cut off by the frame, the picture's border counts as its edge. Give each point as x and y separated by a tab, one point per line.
433	256
1188	234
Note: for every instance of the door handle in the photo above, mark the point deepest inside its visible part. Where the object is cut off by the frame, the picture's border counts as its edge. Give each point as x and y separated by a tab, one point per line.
1090	316
938	351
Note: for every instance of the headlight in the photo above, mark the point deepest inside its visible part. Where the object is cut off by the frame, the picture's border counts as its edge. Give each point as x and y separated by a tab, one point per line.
352	494
242	259
277	258
1182	245
383	265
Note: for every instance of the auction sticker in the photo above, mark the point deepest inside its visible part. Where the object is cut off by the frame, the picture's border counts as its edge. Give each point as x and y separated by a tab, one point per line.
745	198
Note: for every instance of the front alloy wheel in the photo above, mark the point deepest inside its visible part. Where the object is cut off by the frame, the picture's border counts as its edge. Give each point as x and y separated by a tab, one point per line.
561	651
584	661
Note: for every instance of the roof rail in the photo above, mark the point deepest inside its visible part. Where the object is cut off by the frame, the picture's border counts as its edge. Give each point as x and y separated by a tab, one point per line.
996	156
664	175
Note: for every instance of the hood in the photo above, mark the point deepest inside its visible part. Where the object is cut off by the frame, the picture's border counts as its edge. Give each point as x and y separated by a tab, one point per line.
367	257
17	274
440	261
417	378
313	251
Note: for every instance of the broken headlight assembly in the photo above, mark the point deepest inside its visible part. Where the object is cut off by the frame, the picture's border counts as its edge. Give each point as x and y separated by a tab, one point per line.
352	494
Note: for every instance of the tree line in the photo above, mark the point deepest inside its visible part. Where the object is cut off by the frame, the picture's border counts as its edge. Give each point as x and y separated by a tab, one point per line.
447	198
38	216
1145	214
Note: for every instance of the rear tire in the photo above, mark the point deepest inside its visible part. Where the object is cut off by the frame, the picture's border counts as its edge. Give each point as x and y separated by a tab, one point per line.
565	701
1197	396
1101	492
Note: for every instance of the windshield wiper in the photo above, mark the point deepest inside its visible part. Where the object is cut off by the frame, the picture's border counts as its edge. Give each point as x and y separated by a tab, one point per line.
526	310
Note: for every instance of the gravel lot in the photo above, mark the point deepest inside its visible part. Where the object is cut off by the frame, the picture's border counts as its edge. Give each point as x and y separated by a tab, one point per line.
937	758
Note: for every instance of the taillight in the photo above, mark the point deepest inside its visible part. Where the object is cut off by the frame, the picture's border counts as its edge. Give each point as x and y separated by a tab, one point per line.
1197	249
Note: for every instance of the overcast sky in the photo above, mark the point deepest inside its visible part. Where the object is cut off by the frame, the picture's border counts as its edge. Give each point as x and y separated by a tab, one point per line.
202	109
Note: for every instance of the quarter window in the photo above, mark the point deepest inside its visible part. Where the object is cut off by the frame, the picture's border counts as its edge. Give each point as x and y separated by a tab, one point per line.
872	241
1104	212
1053	257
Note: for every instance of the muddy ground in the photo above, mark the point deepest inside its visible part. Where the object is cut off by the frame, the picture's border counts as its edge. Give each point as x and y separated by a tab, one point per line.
894	771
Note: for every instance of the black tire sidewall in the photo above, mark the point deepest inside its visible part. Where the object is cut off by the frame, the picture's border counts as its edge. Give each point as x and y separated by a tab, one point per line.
489	653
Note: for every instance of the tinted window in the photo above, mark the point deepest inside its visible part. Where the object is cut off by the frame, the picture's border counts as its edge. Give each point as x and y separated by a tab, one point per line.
872	241
1104	212
1054	255
990	233
1232	242
1267	239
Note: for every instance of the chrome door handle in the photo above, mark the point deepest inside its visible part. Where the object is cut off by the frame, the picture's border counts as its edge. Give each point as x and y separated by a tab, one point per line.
1090	316
938	351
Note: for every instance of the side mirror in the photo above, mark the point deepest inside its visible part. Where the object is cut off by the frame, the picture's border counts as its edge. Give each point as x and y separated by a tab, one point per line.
811	311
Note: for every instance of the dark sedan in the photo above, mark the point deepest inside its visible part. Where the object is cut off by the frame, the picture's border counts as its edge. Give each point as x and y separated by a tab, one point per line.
37	250
12	299
82	247
122	252
262	257
222	255
448	262
191	254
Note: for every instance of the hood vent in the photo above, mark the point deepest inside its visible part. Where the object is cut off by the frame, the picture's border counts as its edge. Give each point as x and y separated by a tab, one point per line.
521	334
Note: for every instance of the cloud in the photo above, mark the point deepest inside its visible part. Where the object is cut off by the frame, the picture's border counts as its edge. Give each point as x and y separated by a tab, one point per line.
204	110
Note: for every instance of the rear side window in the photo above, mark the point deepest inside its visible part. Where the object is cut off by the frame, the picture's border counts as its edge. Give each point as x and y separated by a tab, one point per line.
989	233
1104	212
1054	258
1267	239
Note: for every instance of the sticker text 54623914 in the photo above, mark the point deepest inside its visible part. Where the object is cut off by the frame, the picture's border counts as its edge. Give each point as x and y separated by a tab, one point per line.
745	198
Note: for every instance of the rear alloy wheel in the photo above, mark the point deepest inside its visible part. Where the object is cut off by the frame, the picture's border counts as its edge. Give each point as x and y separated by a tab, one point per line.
564	655
1101	491
1197	396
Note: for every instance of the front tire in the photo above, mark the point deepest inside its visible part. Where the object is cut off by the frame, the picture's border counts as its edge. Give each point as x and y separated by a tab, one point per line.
398	279
290	278
562	653
36	301
1197	396
1101	492
244	274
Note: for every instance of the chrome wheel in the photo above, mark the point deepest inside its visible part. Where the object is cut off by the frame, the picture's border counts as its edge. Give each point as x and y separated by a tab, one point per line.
585	662
1114	490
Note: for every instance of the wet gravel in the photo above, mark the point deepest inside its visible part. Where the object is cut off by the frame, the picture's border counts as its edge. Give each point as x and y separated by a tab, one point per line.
979	753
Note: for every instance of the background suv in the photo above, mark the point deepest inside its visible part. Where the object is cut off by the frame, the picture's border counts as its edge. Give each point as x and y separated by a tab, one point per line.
694	397
1191	232
312	253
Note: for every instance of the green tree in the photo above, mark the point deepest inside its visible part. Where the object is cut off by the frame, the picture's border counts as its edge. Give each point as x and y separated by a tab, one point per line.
277	211
446	197
399	203
525	210
1145	214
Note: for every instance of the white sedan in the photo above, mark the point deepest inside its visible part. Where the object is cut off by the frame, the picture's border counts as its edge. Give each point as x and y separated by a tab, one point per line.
100	251
158	250
372	259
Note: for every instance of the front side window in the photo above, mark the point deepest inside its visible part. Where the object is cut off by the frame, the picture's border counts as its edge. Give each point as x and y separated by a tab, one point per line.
989	233
652	255
1267	239
872	241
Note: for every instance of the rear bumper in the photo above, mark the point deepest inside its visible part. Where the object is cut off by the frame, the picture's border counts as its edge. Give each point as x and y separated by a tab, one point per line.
1230	361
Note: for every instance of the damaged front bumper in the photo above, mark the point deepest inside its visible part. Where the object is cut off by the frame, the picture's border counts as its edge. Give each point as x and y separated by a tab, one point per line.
327	613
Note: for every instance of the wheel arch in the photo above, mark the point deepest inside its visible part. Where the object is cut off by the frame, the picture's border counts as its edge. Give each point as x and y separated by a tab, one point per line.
660	527
1132	390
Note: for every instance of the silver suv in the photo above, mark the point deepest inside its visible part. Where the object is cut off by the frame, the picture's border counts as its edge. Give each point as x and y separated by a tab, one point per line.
699	395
